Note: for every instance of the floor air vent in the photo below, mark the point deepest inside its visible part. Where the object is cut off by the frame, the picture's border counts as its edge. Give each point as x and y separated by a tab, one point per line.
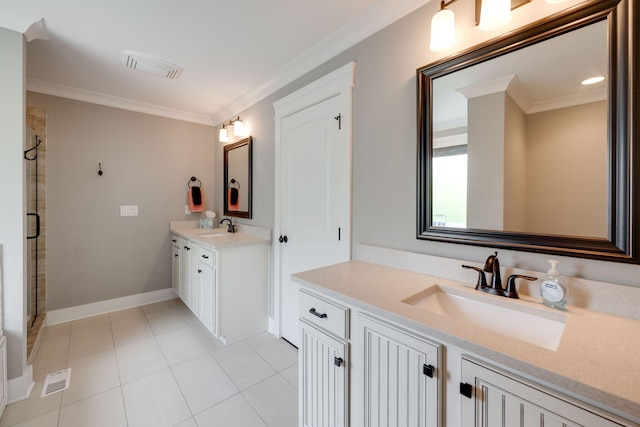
56	382
150	64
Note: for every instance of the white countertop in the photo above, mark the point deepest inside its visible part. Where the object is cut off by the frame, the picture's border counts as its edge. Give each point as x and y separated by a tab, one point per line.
598	357
218	238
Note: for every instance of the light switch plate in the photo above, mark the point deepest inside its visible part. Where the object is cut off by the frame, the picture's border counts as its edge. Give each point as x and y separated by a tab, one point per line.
187	210
129	210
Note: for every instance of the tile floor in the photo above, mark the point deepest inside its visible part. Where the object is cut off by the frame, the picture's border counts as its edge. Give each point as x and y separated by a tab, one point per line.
157	365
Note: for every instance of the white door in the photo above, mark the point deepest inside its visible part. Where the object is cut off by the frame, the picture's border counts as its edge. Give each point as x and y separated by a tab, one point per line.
315	196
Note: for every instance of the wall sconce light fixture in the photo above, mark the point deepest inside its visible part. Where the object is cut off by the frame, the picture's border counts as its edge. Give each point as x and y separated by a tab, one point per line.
490	15
238	129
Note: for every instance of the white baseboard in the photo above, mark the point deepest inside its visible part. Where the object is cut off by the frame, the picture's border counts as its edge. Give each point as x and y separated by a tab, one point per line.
19	388
101	307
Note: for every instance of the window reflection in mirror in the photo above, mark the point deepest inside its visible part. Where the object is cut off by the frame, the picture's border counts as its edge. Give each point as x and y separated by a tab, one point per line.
520	145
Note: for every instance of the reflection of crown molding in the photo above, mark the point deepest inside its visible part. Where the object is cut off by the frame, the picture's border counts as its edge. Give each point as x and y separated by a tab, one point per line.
460	123
450	140
63	91
569	101
31	26
487	88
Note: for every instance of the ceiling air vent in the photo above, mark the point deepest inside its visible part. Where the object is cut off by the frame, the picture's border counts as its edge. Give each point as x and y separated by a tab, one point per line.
150	64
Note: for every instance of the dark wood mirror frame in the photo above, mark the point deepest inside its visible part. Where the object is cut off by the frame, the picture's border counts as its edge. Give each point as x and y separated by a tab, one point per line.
247	189
623	243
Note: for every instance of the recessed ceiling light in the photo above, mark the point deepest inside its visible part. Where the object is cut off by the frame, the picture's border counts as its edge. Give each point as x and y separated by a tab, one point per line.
150	64
593	80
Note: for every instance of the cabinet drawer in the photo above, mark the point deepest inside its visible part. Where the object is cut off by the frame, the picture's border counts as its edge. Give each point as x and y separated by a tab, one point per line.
207	257
325	314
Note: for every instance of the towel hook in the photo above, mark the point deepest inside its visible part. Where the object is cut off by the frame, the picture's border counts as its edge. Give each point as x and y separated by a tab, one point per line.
234	182
193	179
100	169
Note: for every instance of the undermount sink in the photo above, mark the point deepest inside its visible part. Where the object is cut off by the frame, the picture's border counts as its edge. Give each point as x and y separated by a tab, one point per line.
539	327
212	233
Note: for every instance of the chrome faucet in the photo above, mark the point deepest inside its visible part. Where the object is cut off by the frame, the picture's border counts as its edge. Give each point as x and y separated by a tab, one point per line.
492	265
231	228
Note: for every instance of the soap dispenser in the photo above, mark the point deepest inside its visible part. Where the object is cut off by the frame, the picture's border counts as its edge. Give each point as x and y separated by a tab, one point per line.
553	288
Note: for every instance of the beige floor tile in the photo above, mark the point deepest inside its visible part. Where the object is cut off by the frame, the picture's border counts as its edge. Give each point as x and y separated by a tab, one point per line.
235	411
275	400
91	375
89	322
55	330
155	401
140	358
91	340
187	423
165	320
277	352
34	406
130	330
203	383
125	314
291	375
52	352
102	410
50	419
243	365
180	345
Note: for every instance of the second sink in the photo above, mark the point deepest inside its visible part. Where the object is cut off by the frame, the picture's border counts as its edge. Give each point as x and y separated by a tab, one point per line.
538	327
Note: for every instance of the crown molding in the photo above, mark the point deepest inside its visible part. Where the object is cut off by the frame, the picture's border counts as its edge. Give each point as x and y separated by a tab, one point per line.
63	91
31	26
383	14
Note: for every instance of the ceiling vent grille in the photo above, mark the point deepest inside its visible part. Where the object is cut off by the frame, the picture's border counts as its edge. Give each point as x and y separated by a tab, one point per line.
150	64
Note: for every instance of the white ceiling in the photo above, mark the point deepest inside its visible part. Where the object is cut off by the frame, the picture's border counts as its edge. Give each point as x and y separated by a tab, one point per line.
233	52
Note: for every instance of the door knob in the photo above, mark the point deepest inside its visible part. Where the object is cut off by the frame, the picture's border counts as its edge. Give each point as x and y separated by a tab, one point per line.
283	239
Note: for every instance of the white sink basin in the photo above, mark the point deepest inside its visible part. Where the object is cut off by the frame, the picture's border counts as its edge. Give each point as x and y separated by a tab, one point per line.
490	312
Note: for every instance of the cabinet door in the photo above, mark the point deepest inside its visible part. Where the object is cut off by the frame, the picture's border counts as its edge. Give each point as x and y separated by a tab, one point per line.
185	275
207	301
193	294
322	369
175	266
495	399
401	377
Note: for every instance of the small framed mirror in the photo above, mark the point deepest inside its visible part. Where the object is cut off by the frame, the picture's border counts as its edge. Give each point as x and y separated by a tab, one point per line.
237	178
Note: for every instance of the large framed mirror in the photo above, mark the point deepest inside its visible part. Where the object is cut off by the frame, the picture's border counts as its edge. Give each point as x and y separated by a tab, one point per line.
238	178
514	152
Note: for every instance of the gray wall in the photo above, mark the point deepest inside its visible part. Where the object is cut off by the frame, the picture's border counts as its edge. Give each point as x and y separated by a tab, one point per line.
93	253
384	149
12	207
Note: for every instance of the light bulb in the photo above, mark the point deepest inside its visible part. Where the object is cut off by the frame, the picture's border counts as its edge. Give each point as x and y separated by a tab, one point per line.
223	136
494	14
238	127
443	31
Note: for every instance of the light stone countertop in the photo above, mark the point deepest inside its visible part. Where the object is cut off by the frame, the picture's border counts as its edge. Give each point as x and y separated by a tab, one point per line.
221	239
597	359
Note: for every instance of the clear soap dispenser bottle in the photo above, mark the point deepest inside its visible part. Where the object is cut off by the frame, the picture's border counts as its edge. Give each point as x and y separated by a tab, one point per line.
553	288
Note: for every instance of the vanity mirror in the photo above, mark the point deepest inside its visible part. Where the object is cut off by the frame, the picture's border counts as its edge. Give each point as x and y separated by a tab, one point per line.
237	178
514	152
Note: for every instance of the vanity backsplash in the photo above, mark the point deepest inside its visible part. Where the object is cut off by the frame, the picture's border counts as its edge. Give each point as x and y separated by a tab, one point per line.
619	300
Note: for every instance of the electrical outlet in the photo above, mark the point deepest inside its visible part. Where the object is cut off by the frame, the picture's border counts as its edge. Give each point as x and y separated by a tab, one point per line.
129	210
186	209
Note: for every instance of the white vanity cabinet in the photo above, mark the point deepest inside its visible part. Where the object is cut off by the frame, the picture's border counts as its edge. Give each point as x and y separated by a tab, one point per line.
401	383
323	368
494	398
207	287
175	265
189	274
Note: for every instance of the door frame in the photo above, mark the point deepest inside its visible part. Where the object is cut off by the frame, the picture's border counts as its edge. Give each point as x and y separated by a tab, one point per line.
337	83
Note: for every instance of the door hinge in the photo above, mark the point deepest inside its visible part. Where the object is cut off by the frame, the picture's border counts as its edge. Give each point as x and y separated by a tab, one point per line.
339	119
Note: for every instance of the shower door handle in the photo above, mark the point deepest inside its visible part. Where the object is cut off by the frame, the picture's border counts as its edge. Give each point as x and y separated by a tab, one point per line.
37	225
